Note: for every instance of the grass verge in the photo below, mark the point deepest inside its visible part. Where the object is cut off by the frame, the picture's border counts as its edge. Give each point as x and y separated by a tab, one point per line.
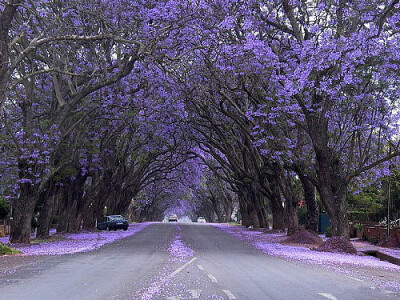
53	238
6	250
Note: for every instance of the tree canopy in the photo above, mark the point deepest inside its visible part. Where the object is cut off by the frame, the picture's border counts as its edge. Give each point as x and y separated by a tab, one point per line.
196	107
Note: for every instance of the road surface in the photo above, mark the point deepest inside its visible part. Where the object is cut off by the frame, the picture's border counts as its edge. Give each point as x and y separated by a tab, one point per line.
141	267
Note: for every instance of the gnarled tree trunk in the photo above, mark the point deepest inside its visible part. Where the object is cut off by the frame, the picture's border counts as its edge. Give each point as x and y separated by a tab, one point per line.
23	209
46	215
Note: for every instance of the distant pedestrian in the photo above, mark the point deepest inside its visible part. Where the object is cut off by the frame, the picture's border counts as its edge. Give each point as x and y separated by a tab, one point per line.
34	224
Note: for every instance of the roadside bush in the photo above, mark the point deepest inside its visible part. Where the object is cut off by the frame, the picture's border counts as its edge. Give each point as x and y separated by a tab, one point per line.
4	208
6	250
359	226
329	231
302	215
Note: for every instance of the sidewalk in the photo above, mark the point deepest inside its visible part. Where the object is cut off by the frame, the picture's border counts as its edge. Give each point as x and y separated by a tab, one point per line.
69	243
382	273
390	254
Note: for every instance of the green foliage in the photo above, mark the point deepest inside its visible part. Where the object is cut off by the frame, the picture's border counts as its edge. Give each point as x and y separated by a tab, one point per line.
44	123
6	250
4	208
359	226
395	205
302	215
329	231
66	172
53	238
369	205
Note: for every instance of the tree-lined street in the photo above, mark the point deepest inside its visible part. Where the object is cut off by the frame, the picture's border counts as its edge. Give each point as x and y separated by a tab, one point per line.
279	116
220	267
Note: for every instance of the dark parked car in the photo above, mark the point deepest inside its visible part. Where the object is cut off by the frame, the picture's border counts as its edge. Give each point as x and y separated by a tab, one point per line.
113	222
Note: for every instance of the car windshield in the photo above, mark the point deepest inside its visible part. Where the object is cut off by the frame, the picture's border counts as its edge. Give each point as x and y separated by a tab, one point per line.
116	217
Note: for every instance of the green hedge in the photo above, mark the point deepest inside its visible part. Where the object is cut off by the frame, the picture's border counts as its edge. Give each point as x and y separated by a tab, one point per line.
6	250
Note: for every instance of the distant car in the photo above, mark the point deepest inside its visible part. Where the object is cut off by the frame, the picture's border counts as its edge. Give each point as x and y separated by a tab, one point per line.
113	222
173	218
201	220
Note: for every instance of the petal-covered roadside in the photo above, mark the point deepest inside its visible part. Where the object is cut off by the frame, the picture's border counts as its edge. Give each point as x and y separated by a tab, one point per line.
77	242
270	244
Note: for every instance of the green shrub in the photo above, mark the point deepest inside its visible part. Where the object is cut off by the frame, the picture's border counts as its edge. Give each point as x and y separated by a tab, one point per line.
4	208
359	226
302	215
329	231
6	250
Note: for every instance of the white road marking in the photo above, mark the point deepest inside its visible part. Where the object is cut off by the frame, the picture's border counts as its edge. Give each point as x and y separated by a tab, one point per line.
356	279
195	294
213	279
174	298
156	286
181	268
229	294
388	292
372	287
329	296
200	267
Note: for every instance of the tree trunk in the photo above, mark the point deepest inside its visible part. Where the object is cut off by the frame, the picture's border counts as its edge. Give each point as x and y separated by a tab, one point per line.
23	209
89	215
336	207
286	183
70	218
312	207
340	221
331	185
252	209
67	213
215	205
46	216
278	222
246	220
255	222
261	211
6	20
228	209
293	221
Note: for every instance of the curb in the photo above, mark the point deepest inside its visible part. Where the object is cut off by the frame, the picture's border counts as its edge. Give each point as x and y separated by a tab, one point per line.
383	256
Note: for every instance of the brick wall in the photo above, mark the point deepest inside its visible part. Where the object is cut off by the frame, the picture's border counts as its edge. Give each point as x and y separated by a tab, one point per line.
377	233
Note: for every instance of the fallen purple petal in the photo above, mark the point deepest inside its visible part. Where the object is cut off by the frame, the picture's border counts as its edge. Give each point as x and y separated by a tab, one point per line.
269	243
178	249
78	242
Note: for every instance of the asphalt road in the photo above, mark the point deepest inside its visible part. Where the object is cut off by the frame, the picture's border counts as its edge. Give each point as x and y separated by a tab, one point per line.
140	267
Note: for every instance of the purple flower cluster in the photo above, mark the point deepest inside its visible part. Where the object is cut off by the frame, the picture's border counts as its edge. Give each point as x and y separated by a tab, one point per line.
179	250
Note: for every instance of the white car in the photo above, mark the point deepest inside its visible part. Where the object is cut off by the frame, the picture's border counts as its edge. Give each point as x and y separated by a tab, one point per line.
201	220
173	218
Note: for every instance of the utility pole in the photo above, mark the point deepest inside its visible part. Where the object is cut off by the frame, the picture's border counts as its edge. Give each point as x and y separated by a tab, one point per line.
389	201
389	194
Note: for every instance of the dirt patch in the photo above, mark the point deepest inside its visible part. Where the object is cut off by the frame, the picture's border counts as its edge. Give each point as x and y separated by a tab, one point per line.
391	242
304	237
337	244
